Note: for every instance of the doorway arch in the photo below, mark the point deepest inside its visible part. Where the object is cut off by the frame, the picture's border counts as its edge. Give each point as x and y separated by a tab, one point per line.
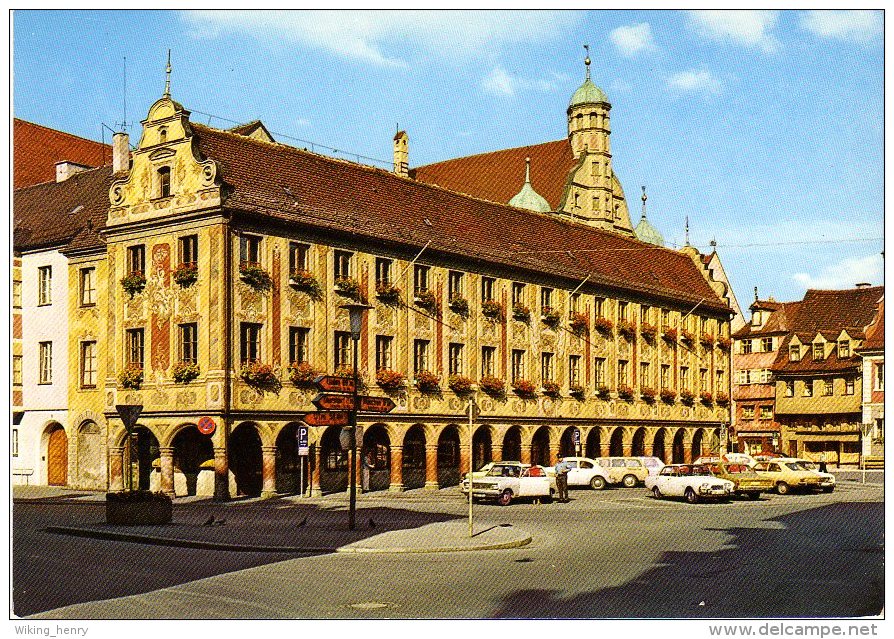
246	459
375	468
57	455
482	447
413	469
192	450
512	444
448	457
616	443
678	454
540	447
638	445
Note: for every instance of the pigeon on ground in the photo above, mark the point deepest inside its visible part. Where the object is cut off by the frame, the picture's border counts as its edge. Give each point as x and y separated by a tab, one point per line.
209	521
220	522
302	522
372	524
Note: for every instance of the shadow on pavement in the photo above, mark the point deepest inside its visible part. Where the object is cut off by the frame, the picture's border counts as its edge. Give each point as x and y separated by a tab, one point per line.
824	562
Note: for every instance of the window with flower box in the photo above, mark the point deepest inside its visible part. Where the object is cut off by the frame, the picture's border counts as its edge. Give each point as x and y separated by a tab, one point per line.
189	343
455	284
547	369
134	339
665	376
703	380
684	378
487	289
518	364
599	372
383	271
299	344
574	304
384	345
488	357
623	311
546	298
574	370
645	314
420	279
249	342
188	249
720	380
420	355
599	306
342	264
298	253
455	359
665	317
518	293
249	250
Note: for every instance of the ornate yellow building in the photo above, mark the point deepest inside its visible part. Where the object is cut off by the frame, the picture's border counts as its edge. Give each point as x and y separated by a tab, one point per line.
224	258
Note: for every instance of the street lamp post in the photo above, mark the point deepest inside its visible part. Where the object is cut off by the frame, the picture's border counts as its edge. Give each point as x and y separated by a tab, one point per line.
356	312
472	410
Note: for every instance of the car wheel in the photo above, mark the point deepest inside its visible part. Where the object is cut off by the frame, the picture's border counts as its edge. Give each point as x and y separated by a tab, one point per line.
753	496
505	498
690	496
656	493
629	481
782	488
597	483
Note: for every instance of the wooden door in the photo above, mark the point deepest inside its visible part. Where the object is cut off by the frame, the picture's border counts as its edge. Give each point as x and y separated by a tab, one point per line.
57	458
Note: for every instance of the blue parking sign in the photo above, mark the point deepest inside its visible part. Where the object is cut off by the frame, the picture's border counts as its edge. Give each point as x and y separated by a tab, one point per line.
576	437
303	448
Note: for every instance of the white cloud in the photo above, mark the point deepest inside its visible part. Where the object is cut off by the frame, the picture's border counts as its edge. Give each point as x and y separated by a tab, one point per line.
745	28
501	82
695	81
372	36
856	26
637	38
845	274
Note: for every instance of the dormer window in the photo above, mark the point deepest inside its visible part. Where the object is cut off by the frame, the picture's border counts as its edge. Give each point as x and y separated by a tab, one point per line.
794	352
757	318
164	181
818	351
844	348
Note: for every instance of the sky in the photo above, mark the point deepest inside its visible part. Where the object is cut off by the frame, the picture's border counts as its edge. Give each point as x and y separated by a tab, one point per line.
764	128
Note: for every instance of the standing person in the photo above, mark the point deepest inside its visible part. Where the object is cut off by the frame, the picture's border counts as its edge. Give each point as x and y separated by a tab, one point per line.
366	470
562	480
822	462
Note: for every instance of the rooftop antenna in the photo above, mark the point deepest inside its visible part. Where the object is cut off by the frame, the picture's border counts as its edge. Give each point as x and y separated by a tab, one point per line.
587	60
168	76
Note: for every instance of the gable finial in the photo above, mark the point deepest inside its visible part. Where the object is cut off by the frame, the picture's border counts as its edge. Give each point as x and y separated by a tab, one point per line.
587	60
687	230
527	170
644	198
755	293
168	76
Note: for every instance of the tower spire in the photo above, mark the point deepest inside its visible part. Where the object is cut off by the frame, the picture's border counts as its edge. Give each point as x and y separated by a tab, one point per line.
587	60
687	230
527	170
168	76
645	197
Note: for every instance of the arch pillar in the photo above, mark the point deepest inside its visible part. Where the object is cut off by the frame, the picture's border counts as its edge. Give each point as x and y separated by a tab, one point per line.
464	460
668	449
396	484
116	468
431	467
553	454
268	471
687	448
496	450
315	460
166	462
605	447
525	453
627	446
221	475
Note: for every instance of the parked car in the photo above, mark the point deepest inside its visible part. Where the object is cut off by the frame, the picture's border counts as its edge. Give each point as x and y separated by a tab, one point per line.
652	464
746	480
693	482
481	472
732	458
506	481
787	475
827	485
627	471
586	472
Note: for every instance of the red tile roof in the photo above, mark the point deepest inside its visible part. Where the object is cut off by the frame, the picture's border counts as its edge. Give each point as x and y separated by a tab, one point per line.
499	175
37	149
875	334
296	186
779	321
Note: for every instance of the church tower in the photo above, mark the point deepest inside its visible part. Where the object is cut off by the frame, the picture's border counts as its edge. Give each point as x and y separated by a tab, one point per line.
593	194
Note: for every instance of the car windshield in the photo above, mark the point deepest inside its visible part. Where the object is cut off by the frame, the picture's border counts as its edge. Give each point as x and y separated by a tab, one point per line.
504	471
700	470
808	465
793	466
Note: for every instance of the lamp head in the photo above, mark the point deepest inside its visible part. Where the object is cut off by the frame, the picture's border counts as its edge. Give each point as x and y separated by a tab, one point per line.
355	313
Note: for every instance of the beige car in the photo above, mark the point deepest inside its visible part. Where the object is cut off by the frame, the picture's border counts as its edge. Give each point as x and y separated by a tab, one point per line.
746	480
627	471
787	475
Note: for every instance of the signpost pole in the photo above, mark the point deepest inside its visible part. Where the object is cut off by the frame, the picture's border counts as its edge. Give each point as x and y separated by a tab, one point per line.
352	509
471	456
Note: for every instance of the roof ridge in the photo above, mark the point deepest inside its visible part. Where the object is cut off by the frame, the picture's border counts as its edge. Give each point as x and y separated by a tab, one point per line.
52	182
475	155
72	135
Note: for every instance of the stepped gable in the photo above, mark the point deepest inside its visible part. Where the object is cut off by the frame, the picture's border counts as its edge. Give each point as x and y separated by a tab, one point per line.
875	334
37	149
494	176
48	214
286	183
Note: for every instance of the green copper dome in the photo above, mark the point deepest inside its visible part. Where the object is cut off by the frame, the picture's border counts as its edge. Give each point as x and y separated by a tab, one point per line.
528	198
588	93
645	232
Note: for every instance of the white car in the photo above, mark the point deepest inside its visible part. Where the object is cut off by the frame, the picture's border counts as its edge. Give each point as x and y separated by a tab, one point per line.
690	481
827	485
653	464
586	472
507	481
732	458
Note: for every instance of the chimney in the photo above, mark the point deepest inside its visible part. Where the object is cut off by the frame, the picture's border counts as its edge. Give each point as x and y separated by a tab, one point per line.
65	170
863	285
120	152
401	154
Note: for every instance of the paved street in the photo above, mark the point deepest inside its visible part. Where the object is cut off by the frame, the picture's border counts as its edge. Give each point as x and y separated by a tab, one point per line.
611	554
